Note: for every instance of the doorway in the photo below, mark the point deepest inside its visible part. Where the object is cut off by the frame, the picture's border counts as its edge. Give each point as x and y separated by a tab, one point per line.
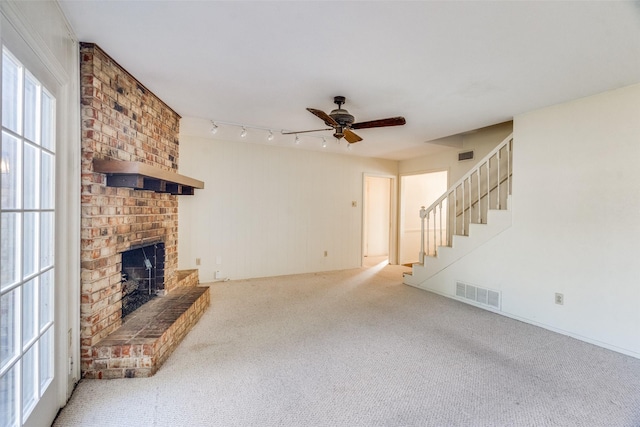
377	245
417	190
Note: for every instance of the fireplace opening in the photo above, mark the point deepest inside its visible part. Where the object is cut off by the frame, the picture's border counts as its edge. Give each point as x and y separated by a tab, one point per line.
142	276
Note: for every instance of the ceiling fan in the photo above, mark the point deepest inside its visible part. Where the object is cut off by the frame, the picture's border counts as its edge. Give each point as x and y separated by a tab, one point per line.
343	123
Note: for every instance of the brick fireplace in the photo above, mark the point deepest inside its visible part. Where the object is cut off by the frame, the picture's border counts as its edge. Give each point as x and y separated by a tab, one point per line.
142	276
123	121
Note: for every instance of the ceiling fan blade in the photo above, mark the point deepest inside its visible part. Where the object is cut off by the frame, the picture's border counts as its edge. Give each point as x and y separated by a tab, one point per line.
324	116
305	131
351	137
392	121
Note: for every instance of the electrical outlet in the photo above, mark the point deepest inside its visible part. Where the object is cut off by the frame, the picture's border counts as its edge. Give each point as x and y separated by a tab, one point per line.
197	261
217	275
559	299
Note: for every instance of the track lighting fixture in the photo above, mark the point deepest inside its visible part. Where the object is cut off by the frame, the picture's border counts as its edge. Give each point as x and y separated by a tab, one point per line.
270	132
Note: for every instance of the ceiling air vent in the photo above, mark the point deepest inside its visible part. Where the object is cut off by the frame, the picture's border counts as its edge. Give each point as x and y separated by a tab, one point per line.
465	155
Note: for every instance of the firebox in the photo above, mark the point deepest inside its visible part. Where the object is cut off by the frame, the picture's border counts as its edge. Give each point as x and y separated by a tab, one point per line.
142	275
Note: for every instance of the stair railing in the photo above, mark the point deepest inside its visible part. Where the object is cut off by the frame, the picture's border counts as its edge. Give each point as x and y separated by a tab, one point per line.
486	186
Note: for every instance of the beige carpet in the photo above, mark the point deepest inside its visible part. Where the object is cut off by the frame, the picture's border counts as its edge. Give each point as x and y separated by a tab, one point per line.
358	348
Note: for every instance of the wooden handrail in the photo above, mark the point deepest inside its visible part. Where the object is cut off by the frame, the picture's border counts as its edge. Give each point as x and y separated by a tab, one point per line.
485	194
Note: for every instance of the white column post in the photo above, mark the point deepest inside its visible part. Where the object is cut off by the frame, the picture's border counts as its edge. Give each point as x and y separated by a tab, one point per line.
423	215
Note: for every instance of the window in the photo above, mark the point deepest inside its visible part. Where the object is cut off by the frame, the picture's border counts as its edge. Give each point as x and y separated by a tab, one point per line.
27	209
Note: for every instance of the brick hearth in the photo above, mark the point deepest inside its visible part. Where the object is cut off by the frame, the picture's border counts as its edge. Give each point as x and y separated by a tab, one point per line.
149	335
123	121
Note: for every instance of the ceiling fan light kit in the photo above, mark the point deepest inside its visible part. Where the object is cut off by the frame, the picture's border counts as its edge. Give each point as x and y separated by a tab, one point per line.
339	120
342	122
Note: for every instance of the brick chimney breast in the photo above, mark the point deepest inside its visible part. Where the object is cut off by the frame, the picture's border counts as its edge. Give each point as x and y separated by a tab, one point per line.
121	120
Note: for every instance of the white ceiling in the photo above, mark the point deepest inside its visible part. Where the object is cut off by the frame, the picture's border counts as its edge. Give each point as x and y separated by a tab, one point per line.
447	67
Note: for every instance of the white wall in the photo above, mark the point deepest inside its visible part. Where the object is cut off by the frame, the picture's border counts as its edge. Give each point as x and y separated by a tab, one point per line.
481	141
268	210
576	228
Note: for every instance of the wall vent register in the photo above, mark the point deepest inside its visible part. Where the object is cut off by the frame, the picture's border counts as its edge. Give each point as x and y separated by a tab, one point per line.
478	295
465	155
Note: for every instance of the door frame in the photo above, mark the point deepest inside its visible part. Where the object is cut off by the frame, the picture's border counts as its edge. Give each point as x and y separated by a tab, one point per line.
18	34
401	200
393	215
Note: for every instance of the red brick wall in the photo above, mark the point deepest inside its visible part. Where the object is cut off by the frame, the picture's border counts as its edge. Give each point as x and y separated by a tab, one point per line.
121	119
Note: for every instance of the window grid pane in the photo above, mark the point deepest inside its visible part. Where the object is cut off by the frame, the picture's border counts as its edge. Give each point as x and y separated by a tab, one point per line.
46	362
46	300
30	243
29	380
47	183
11	92
46	240
11	172
10	249
31	108
9	327
47	123
31	178
27	232
29	305
8	397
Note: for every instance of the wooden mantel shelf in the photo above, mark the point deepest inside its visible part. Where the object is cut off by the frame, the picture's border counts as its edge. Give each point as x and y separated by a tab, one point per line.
142	176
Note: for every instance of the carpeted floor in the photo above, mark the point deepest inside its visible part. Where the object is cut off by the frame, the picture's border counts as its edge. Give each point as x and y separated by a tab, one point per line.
358	348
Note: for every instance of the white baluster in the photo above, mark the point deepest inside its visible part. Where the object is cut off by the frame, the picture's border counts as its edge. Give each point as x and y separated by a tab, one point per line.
498	205
488	185
423	215
440	205
435	243
455	210
509	168
463	228
478	205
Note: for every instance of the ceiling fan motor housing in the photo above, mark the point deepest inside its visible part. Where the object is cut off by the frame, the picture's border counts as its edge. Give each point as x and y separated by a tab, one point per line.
342	116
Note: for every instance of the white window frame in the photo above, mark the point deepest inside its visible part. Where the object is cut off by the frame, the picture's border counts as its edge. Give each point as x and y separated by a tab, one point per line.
31	299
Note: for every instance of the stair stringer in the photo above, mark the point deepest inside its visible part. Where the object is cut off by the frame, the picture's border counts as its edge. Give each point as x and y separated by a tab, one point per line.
479	234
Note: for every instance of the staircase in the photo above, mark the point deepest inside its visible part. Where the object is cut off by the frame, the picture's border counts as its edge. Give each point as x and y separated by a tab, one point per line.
470	213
